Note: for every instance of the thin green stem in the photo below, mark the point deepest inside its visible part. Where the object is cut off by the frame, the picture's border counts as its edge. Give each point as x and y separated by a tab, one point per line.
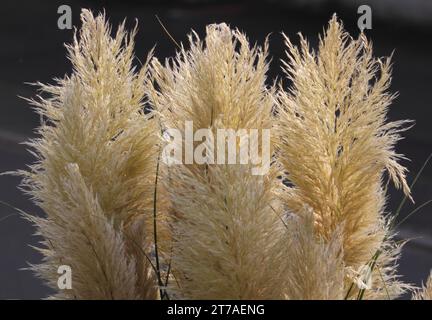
412	212
155	228
349	291
372	265
404	199
392	226
166	31
383	281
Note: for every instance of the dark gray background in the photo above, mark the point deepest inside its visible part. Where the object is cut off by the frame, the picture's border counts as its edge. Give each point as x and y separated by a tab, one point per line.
31	49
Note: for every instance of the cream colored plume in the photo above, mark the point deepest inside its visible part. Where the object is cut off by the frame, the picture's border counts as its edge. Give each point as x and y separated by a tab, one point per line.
315	269
226	236
336	145
312	226
95	170
426	292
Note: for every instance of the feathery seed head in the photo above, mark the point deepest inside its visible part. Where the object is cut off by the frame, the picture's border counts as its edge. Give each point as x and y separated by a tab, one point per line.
335	142
96	159
225	234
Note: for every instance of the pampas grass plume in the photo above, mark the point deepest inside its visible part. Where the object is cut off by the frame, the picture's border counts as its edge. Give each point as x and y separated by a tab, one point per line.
96	164
226	237
335	144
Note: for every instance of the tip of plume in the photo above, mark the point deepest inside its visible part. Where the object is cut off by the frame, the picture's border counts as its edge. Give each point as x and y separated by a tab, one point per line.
335	21
222	28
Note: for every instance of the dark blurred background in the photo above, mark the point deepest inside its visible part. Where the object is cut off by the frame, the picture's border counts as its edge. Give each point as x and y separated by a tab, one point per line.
31	49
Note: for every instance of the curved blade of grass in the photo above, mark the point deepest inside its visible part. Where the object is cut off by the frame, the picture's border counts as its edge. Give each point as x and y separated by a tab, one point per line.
349	291
167	279
155	228
281	219
383	281
412	212
392	224
372	265
10	206
166	31
8	216
144	254
404	199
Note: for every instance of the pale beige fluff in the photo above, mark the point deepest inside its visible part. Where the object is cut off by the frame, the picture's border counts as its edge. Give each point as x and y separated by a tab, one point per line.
335	144
222	232
315	269
426	291
95	170
226	236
